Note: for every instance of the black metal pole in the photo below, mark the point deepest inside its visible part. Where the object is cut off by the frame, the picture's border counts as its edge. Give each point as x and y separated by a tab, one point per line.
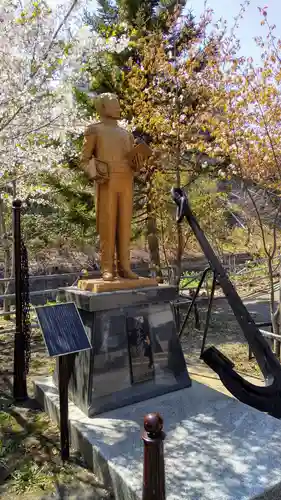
19	386
267	361
153	462
63	392
177	316
193	300
208	315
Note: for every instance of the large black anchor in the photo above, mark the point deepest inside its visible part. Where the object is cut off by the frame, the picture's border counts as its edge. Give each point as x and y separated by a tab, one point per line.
267	398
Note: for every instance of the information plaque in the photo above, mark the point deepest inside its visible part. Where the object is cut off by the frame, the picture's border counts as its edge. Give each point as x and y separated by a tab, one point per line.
62	329
64	334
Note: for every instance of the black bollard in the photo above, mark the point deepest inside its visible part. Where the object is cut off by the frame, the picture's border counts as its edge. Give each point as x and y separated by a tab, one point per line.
63	391
19	385
153	462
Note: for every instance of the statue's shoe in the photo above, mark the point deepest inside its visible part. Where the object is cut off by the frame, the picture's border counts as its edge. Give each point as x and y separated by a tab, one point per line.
107	276
128	274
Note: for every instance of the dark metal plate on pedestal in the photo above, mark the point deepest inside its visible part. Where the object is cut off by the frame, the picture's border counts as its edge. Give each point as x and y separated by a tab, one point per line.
110	370
140	352
62	328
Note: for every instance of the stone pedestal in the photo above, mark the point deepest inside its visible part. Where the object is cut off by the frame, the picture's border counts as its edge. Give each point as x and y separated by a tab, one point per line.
136	354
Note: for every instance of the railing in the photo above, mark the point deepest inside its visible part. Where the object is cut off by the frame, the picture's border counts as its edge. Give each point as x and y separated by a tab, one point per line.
70	278
45	294
44	277
67	279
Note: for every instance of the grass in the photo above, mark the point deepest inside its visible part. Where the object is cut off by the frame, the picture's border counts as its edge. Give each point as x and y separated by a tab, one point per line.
31	448
188	282
29	475
225	334
30	464
255	279
238	353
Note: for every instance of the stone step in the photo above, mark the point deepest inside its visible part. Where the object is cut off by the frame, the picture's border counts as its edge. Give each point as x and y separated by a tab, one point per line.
216	448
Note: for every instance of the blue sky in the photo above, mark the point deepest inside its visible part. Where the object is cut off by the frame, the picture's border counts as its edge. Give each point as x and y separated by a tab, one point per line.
250	25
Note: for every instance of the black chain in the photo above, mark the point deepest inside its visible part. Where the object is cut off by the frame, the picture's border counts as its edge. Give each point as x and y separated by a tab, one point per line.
25	300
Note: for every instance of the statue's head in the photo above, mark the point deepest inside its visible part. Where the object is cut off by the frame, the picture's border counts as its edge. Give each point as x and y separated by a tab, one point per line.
107	106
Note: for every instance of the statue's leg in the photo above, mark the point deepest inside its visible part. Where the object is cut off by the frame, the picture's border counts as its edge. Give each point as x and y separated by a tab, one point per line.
124	220
107	228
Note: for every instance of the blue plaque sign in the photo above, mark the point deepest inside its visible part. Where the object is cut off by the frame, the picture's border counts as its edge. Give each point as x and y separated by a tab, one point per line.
62	328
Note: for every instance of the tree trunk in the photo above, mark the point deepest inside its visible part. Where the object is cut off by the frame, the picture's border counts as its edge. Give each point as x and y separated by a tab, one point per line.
152	236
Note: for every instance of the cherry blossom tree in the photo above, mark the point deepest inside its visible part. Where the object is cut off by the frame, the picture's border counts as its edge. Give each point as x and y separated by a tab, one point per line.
43	56
246	129
33	55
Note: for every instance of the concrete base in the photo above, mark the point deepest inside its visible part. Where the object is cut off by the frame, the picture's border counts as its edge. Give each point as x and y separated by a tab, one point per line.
216	448
100	286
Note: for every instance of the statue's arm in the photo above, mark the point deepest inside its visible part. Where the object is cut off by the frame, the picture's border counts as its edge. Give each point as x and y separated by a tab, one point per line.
133	161
132	141
89	146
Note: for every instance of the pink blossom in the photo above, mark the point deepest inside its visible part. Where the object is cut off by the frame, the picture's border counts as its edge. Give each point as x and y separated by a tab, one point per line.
263	10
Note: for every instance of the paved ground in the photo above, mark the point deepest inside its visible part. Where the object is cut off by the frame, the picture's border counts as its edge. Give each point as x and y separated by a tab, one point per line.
203	374
259	307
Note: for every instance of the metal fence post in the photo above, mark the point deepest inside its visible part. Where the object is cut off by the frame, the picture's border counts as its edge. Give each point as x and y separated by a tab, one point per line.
153	463
19	385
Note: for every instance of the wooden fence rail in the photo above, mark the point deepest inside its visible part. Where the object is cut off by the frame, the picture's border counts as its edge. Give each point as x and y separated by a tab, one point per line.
44	277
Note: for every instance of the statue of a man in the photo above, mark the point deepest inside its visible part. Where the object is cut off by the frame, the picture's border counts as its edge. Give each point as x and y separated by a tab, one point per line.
106	159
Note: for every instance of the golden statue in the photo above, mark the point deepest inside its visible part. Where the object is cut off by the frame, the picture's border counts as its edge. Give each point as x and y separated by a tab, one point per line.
110	159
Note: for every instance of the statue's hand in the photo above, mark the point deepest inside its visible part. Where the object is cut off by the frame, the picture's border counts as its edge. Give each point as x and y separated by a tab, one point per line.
100	180
97	171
